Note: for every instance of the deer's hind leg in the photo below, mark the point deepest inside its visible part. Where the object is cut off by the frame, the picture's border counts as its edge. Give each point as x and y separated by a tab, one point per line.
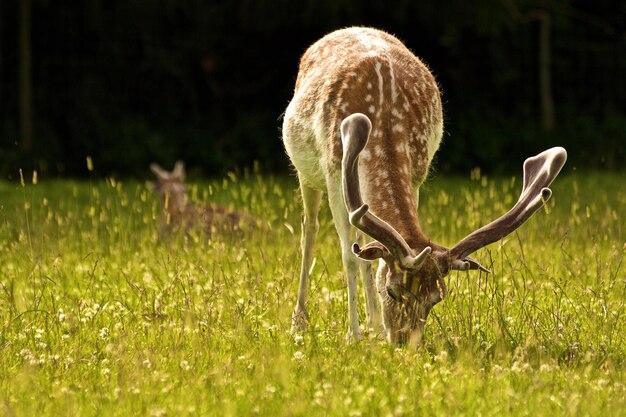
311	199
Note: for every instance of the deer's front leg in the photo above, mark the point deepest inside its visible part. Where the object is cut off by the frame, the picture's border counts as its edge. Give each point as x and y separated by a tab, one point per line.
374	318
311	200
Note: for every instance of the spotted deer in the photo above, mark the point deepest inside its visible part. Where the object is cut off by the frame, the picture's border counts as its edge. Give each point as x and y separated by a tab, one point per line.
180	213
363	126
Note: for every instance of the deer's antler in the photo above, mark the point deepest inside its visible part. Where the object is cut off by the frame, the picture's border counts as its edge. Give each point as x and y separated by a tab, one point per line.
355	130
539	172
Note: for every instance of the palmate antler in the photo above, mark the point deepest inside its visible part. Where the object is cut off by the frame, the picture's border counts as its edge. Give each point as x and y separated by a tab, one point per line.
355	131
539	172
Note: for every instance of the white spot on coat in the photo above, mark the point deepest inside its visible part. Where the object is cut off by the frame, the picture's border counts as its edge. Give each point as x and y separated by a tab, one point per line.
394	92
377	68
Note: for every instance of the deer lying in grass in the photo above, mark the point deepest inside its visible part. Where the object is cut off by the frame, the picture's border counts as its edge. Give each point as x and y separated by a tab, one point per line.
179	213
364	124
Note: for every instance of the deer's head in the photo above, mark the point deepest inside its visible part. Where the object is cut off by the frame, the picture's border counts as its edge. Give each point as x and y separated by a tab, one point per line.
171	187
411	279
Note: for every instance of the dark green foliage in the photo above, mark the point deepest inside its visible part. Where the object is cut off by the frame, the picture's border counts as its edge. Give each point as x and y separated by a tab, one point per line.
131	82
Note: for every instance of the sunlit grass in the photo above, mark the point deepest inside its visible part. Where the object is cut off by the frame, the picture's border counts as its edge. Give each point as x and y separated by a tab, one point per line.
100	317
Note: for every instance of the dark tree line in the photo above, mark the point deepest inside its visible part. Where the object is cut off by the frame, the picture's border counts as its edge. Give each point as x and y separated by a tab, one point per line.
129	82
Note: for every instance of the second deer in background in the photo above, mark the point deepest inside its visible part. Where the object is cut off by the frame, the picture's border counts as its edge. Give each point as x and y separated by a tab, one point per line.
180	213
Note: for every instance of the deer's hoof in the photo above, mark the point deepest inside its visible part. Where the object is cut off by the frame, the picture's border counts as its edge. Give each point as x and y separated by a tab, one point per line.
377	332
353	335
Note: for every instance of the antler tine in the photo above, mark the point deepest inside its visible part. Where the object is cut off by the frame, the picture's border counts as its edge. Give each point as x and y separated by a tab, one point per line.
355	130
539	172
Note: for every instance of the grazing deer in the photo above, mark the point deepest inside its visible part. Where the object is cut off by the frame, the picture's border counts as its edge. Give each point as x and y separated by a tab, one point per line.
364	124
178	212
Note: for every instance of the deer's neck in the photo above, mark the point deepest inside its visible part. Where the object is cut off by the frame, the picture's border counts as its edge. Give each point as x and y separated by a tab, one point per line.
175	204
391	195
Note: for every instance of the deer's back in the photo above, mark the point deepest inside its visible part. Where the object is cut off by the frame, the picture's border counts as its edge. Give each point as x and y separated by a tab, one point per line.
362	70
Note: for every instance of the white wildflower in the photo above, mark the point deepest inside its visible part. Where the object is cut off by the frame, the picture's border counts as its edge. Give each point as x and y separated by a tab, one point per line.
104	333
184	365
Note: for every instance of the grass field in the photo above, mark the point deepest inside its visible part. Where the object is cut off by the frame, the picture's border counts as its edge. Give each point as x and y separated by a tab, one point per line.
101	318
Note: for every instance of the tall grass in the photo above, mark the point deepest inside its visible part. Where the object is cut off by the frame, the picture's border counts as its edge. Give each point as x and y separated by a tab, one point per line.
101	317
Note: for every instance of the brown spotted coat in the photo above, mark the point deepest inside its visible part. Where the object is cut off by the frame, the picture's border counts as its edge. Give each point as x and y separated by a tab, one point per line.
363	70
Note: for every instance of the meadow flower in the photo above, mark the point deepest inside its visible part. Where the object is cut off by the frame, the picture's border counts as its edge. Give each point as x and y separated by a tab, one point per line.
270	389
104	333
158	412
519	366
442	356
318	397
184	365
26	355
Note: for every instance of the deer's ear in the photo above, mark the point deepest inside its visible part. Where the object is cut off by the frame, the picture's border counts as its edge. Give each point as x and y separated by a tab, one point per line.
179	171
371	251
158	171
467	264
